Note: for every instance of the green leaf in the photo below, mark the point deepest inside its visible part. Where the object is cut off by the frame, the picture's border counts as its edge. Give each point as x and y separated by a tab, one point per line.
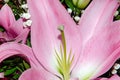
28	42
16	76
2	29
61	1
117	17
26	65
70	4
8	72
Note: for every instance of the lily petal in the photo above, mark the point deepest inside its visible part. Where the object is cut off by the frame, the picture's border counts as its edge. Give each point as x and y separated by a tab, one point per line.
37	74
22	36
98	15
3	37
115	40
46	17
100	52
6	17
18	26
11	49
12	27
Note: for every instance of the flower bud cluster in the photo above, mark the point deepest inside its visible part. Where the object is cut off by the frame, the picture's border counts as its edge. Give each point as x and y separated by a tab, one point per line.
26	16
115	68
81	3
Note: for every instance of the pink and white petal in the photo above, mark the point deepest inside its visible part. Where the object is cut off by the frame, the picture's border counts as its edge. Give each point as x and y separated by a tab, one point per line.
115	49
98	15
7	20
1	75
46	17
16	28
6	17
17	32
37	74
4	36
99	53
114	77
11	49
22	37
74	79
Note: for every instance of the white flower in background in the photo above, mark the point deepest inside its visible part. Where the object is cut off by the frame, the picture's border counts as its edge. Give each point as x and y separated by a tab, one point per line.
26	15
24	6
77	18
116	13
69	10
27	23
116	66
114	71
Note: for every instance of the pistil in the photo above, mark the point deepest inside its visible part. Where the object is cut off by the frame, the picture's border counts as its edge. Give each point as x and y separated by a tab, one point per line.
64	61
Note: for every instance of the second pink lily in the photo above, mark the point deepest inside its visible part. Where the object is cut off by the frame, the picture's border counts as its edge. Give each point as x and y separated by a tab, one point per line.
14	30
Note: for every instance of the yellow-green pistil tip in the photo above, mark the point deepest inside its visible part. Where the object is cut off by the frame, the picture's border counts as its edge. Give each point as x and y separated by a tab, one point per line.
64	61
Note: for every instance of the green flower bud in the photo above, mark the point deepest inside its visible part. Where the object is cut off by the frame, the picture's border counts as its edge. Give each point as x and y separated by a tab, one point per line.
81	3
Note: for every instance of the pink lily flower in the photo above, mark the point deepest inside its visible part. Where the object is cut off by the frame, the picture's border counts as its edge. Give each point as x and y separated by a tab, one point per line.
74	52
13	29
